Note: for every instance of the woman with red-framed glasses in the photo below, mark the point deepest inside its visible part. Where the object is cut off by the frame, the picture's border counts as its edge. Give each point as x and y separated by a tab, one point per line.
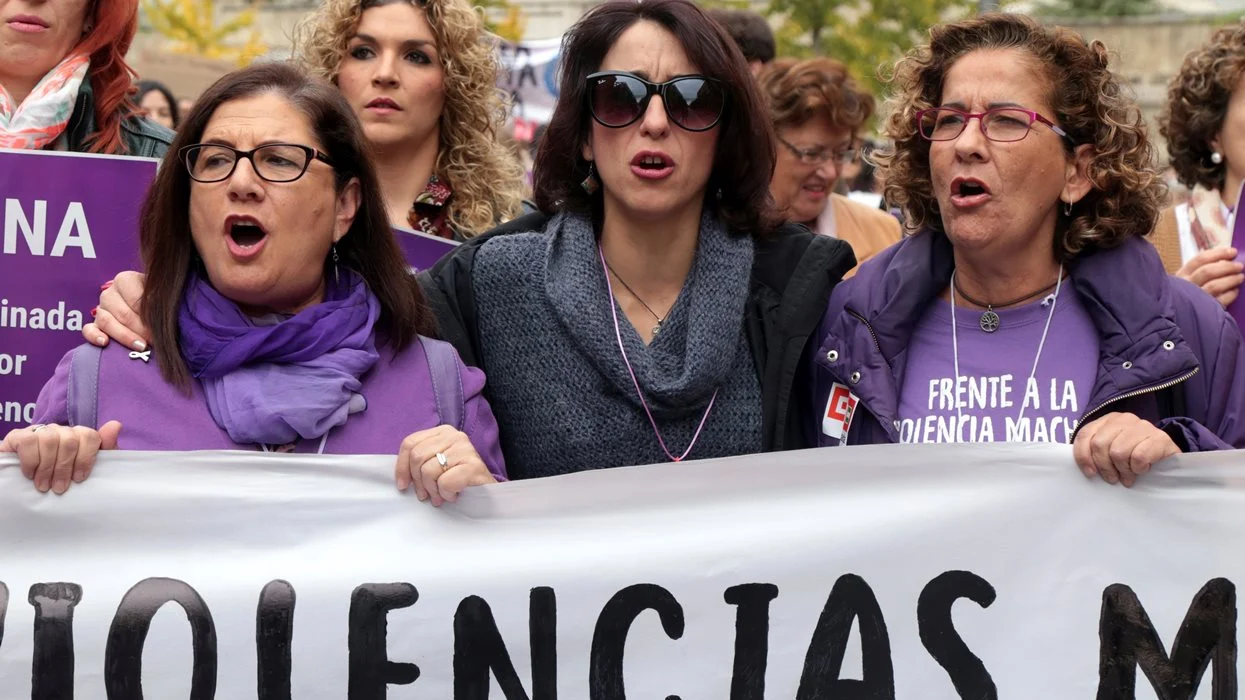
1026	306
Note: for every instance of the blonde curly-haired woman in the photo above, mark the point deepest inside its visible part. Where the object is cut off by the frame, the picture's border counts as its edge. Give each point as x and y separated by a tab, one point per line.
421	76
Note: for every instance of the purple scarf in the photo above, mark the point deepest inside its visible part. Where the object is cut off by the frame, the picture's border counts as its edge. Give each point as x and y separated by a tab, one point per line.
297	377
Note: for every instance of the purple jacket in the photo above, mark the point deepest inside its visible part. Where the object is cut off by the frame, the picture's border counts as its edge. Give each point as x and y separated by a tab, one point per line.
155	415
1155	333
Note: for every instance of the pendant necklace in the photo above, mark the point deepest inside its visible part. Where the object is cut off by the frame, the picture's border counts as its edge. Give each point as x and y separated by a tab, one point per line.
955	342
989	320
660	319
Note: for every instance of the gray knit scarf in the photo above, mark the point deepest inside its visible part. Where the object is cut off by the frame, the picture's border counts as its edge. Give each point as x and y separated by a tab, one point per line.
559	387
683	365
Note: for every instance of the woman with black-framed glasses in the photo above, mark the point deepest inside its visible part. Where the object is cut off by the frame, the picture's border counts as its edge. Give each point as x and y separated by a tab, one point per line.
1026	305
654	311
280	311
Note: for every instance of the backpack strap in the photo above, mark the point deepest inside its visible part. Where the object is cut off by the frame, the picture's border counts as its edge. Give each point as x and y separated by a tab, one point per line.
447	383
83	391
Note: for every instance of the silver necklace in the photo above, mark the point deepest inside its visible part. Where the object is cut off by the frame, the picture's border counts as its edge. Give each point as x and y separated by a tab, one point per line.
989	321
955	347
660	319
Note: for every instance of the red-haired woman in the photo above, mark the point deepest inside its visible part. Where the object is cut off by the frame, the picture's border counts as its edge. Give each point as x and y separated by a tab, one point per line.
64	83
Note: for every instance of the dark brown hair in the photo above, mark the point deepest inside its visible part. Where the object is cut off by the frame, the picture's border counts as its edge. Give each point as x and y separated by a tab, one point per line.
750	31
368	247
744	160
799	91
1087	102
1197	103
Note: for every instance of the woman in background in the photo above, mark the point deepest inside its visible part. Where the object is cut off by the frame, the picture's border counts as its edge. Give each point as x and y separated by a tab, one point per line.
1204	123
817	112
422	78
64	83
157	103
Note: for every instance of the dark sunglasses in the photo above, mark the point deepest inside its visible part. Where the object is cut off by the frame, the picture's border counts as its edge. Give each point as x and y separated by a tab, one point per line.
693	102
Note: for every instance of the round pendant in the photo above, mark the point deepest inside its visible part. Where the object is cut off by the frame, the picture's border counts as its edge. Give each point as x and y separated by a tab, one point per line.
989	321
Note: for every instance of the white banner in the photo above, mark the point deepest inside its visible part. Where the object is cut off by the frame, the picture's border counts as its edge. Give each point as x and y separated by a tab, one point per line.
822	574
530	76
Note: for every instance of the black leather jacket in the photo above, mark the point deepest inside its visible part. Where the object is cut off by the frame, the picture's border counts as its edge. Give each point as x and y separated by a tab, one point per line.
141	137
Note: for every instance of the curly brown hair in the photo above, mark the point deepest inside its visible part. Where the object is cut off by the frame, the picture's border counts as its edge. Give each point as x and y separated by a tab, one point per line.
1197	102
798	91
484	175
1088	103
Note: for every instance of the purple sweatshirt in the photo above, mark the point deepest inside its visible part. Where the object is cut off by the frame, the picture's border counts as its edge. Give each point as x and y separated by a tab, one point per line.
1155	332
157	416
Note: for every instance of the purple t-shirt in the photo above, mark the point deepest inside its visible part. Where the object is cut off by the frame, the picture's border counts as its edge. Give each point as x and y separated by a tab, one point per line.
994	373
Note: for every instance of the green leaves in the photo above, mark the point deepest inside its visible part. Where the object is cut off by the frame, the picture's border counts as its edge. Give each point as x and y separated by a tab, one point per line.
191	27
868	36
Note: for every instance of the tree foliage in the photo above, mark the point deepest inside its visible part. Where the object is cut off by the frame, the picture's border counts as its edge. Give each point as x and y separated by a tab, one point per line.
192	28
867	35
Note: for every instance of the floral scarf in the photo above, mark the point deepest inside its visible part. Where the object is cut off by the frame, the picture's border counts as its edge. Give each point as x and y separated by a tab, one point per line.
43	116
1209	219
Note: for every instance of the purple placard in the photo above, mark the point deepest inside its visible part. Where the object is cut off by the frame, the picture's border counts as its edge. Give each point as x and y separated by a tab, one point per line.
421	250
1237	308
70	222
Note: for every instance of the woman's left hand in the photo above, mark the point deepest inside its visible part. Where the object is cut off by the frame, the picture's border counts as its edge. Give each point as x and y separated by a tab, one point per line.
440	462
1120	447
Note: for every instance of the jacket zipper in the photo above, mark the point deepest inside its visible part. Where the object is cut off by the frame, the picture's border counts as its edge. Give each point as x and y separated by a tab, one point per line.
1166	385
876	344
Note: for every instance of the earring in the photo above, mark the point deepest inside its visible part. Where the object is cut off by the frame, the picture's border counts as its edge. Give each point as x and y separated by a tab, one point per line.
336	278
1216	157
1067	208
591	184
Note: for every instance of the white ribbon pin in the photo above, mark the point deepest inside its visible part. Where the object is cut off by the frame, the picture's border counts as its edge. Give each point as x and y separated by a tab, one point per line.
144	356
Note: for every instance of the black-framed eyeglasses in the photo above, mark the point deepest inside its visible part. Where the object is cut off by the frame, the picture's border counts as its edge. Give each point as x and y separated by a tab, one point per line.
821	154
693	102
274	162
1003	124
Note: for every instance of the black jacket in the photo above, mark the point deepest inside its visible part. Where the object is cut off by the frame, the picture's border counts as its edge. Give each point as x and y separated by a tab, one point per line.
141	137
793	273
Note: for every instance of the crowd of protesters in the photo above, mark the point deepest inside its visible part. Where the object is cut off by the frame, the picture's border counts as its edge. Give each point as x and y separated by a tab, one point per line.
717	257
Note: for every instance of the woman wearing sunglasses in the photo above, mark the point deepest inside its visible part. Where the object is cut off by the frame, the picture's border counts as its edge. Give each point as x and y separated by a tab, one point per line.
653	312
1028	308
283	317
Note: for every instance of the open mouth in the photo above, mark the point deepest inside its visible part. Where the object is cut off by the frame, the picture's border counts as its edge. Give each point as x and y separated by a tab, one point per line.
244	232
966	188
652	165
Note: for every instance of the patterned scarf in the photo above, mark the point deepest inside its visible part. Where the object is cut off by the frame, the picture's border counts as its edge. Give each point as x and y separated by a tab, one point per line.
1209	219
43	116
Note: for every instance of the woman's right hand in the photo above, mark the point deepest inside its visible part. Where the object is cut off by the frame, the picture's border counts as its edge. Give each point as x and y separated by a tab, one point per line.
53	456
1217	272
117	315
